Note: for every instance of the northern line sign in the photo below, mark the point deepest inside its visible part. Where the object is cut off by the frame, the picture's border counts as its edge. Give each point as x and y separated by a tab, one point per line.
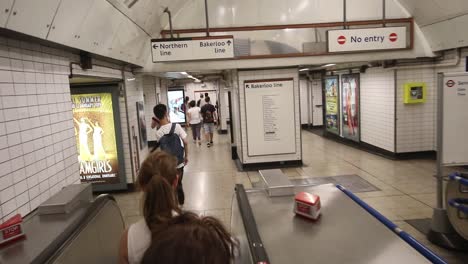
366	39
197	48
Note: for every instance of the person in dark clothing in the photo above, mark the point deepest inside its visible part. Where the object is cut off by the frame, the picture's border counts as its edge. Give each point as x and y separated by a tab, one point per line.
208	112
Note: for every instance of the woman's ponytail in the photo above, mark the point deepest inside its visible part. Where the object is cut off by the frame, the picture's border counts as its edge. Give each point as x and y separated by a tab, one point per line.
159	202
156	177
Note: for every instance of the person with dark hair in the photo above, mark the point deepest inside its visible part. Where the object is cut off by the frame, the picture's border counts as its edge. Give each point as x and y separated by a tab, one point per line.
208	112
201	101
157	179
189	238
194	120
166	128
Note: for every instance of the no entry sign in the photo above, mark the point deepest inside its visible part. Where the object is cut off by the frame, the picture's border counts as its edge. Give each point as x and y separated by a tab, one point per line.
367	39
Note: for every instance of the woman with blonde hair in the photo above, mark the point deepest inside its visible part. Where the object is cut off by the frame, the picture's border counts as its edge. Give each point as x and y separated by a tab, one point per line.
157	179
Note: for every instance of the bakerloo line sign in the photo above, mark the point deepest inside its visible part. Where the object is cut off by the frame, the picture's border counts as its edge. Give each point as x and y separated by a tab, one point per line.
197	48
367	39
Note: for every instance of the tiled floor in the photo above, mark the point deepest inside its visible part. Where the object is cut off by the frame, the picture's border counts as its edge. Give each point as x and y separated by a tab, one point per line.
407	188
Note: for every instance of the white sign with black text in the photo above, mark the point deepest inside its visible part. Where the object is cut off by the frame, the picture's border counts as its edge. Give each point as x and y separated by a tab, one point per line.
207	48
348	40
270	117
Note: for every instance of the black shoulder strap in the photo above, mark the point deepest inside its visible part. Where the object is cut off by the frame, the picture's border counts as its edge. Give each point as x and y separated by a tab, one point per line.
172	129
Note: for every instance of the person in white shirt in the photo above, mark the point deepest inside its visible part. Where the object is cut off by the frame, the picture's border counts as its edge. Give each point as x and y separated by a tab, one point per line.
157	179
194	120
165	125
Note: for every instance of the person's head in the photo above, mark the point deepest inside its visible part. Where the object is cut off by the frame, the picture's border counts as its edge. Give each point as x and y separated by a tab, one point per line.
187	98
207	99
157	179
206	94
192	103
201	95
160	111
189	238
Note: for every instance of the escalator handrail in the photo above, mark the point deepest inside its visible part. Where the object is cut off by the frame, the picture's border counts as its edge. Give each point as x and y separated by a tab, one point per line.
259	254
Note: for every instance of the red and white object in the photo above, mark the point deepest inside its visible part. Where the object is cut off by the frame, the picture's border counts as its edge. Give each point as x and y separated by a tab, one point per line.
367	39
11	230
307	205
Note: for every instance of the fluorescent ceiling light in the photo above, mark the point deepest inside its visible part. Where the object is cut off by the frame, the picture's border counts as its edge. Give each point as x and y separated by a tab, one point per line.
305	69
329	65
131	79
184	73
197	81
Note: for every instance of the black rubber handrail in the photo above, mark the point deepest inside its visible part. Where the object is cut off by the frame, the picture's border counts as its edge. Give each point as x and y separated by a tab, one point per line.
259	254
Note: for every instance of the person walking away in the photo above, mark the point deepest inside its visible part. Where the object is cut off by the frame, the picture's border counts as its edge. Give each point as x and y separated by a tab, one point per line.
201	101
172	139
157	180
194	120
208	112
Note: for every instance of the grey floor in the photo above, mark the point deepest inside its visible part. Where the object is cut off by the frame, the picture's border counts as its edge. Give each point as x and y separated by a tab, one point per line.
407	188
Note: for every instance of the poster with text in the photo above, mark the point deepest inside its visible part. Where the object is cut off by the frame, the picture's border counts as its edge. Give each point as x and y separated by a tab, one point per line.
93	116
176	100
331	104
141	124
350	106
269	108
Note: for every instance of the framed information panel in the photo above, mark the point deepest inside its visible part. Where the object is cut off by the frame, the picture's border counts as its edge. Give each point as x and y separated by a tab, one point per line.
269	106
453	122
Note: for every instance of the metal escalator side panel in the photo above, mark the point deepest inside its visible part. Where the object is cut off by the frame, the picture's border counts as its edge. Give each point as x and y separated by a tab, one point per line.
96	238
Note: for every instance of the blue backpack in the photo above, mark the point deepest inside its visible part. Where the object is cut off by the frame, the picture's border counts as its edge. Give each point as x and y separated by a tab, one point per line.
171	144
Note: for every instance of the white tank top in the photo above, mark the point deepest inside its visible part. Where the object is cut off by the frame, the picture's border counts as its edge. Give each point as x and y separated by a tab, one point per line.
139	240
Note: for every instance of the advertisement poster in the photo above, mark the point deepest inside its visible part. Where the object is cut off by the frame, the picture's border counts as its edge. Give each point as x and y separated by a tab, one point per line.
331	104
176	100
93	115
350	106
141	124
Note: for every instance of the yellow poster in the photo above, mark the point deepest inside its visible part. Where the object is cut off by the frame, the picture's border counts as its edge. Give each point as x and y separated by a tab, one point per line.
93	117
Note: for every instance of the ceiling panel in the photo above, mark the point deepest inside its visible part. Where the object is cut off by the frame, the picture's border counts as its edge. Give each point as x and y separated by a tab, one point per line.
427	12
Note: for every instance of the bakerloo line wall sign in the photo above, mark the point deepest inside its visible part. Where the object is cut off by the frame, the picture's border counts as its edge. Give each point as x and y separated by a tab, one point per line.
197	48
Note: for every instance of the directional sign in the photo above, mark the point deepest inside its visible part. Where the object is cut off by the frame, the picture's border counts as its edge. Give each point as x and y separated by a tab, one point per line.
367	39
184	49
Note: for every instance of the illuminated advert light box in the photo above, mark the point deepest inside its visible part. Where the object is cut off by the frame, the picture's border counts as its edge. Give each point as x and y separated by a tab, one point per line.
415	93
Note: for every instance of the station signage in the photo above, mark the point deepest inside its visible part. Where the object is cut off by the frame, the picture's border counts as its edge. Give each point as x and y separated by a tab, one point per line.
367	39
197	48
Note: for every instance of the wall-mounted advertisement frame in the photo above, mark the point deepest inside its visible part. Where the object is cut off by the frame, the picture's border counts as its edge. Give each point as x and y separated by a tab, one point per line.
140	106
175	100
350	107
96	115
332	102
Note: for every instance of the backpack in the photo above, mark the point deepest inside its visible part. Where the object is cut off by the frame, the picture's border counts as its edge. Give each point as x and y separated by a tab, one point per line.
171	144
207	114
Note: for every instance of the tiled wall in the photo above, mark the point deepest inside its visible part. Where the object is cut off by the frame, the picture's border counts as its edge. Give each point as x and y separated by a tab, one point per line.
151	88
134	92
378	108
38	154
269	74
416	123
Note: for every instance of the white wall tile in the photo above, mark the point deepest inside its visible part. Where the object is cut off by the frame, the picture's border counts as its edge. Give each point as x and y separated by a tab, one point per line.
378	108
